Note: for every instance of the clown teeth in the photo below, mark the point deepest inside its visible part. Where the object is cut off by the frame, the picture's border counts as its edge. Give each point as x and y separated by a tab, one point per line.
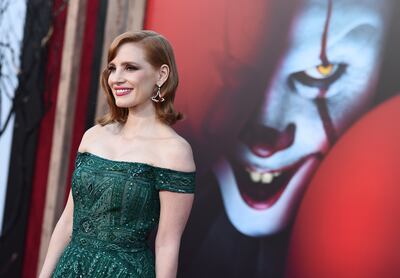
266	177
255	176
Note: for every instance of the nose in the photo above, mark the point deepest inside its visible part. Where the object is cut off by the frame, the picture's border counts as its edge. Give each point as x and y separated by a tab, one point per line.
116	77
264	141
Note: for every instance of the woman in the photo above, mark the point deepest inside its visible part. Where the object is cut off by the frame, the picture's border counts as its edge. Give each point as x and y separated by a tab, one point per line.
129	174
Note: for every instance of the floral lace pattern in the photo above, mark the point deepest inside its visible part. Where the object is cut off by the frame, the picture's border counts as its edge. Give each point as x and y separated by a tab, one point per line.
116	206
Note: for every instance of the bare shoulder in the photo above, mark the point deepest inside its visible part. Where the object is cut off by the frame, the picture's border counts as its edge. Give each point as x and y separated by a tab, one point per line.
88	137
179	154
93	133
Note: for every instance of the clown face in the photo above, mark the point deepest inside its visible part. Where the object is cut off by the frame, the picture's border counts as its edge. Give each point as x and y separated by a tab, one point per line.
324	81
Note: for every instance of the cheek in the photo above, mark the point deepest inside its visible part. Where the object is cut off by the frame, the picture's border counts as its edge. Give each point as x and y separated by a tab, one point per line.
144	81
355	91
349	108
109	81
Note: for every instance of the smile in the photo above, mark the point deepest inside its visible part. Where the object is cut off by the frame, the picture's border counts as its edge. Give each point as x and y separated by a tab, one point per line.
122	92
260	189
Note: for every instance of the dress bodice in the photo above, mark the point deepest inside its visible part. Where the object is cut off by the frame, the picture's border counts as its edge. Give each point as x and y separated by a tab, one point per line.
116	206
116	203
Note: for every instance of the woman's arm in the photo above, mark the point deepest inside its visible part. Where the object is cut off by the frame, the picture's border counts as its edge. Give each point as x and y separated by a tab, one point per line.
174	212
59	239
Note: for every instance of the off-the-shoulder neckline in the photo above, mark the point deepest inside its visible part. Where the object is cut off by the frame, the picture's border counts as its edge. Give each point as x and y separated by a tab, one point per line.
134	163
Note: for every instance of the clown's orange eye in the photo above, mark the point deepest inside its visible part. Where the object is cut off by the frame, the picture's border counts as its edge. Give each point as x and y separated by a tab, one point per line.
320	76
325	70
322	71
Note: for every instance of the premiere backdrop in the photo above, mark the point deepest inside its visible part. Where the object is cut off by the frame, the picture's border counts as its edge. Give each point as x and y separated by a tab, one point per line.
291	110
269	88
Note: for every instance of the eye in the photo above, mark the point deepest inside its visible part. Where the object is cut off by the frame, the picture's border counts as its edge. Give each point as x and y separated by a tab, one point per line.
321	71
110	68
320	76
131	68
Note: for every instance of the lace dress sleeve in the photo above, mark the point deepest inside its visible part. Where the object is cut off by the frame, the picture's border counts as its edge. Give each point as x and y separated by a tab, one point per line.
175	181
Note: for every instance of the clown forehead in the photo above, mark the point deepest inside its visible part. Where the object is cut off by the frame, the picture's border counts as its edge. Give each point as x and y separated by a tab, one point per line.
347	16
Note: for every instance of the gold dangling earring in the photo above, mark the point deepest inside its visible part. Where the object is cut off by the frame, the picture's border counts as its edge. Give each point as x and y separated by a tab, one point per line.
158	97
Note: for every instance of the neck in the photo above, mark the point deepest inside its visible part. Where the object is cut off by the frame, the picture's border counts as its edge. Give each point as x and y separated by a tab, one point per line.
141	120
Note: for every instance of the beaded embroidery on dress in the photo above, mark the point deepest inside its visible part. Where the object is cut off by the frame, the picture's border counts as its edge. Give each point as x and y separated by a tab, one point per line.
116	206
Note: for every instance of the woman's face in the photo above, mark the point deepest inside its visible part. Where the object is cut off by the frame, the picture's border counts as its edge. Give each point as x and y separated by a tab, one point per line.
132	78
323	83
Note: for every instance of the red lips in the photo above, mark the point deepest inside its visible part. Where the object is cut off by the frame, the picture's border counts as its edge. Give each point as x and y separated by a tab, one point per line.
261	196
121	91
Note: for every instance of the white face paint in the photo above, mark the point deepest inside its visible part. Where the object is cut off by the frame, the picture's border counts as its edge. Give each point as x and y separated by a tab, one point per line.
309	103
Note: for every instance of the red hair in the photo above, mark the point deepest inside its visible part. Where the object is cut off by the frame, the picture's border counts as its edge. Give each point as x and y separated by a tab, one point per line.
158	52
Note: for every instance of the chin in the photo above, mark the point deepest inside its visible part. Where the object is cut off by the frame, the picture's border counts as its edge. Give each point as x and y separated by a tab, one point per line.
123	103
262	209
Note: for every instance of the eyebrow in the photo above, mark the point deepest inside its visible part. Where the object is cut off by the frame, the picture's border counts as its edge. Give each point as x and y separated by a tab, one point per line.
126	63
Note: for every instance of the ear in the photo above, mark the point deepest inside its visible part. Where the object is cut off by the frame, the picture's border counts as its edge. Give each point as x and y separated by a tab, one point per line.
163	74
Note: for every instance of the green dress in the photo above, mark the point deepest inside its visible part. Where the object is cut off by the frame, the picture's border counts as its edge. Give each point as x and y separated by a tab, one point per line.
116	206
